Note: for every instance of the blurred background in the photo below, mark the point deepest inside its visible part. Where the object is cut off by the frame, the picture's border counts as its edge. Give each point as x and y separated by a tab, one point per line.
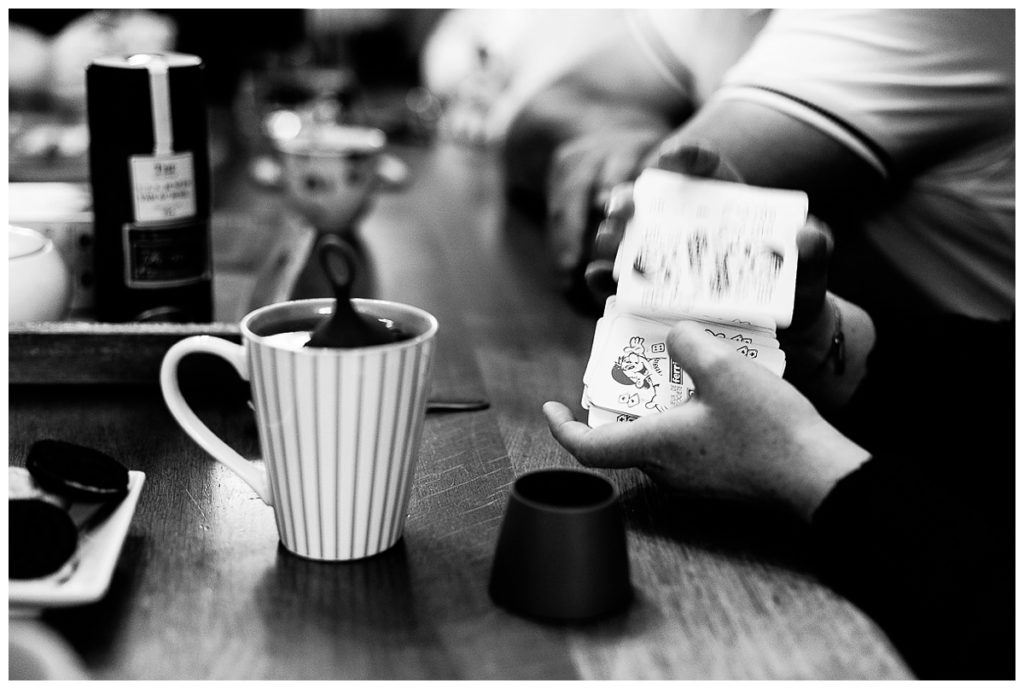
415	73
381	45
457	76
255	61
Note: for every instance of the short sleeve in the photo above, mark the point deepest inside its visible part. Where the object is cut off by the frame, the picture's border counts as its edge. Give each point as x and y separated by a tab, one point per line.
693	48
890	84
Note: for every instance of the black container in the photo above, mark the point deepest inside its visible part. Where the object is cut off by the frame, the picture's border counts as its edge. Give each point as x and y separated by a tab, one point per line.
150	173
561	554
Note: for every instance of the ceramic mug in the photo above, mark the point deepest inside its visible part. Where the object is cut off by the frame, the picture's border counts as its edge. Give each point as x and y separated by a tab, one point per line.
339	429
330	172
38	282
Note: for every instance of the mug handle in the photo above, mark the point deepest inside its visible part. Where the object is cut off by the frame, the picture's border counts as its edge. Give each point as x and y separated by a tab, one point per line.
235	355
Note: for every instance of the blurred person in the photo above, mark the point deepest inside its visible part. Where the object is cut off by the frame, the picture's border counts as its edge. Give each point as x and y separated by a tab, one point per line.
591	122
898	124
485	64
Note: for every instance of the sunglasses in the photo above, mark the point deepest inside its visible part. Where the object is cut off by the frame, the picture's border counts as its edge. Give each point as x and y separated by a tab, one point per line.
66	492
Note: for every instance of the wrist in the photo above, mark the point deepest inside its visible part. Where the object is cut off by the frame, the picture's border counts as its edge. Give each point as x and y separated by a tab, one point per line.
828	457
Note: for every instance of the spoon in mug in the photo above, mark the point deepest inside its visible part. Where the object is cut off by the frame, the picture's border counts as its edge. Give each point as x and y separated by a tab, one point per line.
345	327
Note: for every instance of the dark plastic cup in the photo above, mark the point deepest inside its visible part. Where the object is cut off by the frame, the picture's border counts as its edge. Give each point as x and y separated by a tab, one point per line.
561	553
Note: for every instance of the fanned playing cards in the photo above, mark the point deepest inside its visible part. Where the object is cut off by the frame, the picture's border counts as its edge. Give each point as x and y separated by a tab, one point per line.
720	254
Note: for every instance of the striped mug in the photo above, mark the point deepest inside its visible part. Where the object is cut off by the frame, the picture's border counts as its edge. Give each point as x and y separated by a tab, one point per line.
339	429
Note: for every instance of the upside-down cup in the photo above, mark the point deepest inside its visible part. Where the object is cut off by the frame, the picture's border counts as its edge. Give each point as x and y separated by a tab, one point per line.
561	553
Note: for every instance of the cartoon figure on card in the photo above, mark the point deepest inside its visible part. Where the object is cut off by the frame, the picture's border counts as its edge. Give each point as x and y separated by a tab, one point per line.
636	369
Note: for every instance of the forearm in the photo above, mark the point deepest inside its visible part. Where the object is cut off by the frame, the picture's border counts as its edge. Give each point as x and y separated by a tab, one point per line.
771	149
929	558
921	537
812	474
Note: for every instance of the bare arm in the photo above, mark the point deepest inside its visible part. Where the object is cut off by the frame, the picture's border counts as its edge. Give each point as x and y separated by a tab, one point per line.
769	148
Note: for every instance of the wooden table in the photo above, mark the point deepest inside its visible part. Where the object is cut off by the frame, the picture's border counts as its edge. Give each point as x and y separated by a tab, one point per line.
203	590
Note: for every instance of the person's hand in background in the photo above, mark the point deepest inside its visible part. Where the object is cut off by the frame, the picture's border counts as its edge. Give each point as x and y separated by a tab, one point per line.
745	434
583	172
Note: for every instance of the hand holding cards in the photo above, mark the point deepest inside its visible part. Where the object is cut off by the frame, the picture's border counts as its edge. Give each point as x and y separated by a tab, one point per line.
717	253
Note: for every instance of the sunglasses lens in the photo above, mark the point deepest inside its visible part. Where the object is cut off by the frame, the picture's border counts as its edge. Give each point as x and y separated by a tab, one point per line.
76	472
41	538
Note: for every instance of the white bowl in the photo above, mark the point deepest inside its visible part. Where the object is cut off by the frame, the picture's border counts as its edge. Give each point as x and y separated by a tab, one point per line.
38	283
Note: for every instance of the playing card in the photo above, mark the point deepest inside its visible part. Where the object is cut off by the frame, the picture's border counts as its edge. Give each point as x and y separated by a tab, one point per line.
703	246
630	370
746	333
599	417
600	329
752	344
718	254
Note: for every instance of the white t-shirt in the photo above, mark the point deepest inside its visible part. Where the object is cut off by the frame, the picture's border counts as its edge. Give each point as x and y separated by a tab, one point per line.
927	97
694	48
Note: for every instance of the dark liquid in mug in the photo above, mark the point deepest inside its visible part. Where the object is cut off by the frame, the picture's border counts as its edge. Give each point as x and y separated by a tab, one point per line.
294	334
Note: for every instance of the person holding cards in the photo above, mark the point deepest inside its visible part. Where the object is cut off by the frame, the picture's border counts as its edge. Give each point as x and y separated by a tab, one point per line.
896	450
720	254
909	497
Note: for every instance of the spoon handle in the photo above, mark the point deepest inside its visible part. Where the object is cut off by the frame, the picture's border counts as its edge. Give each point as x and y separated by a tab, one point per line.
338	262
455	404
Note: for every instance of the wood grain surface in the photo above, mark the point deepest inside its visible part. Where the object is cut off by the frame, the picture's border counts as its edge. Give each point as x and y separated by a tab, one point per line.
203	590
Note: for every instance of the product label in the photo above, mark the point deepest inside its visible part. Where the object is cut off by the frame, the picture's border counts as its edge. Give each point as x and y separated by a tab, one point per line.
163	187
166	256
